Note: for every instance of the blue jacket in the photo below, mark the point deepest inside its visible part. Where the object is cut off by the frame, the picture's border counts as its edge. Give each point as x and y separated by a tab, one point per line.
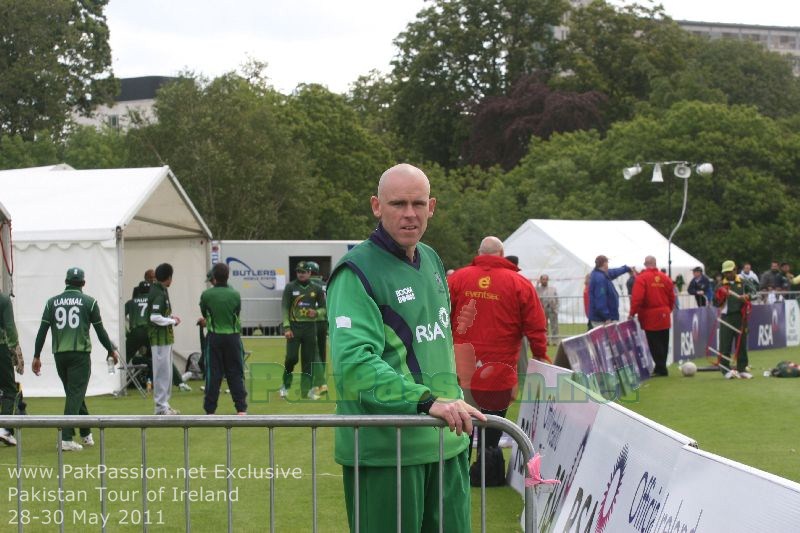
603	297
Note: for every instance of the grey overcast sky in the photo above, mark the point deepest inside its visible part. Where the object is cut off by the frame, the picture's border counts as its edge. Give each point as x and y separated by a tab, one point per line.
331	42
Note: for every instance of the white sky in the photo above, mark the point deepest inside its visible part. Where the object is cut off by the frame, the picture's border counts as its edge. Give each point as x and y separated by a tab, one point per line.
330	42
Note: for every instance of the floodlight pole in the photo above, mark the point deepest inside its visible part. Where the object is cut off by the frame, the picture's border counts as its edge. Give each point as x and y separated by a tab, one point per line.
678	225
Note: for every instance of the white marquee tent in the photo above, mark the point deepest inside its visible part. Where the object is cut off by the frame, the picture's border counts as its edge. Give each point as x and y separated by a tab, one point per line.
565	250
115	224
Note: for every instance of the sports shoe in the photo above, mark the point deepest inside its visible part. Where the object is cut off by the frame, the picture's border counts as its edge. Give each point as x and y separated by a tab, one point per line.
70	446
184	387
313	394
7	438
186	376
745	375
88	440
241	413
283	392
732	374
169	411
323	389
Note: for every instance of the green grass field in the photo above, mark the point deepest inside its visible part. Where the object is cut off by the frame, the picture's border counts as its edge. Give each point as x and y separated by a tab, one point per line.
742	420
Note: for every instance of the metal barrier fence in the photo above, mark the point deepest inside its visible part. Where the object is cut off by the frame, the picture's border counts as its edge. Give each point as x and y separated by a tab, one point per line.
270	422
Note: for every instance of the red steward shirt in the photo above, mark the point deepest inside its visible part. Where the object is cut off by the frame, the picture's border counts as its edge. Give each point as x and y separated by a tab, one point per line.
653	299
507	307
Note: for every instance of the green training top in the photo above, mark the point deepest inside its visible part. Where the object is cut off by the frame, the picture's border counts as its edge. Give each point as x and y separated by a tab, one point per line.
158	304
68	316
391	347
8	330
136	311
298	299
221	306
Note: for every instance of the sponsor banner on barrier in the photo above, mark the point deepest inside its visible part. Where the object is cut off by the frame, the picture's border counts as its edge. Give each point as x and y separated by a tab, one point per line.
636	351
558	417
623	475
711	493
692	330
792	312
767	326
580	354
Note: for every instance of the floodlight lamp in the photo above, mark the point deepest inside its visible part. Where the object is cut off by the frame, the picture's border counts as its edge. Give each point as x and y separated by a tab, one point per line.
657	177
682	170
704	169
630	172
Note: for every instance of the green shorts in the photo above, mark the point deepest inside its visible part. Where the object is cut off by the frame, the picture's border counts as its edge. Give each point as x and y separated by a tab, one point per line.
420	496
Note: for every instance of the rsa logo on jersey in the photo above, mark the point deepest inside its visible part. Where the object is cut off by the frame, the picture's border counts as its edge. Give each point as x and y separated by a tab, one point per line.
585	505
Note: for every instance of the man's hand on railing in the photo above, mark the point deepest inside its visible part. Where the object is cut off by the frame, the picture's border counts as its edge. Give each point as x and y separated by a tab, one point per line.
457	413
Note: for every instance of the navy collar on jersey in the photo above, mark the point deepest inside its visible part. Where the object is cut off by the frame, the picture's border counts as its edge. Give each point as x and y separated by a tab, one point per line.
381	238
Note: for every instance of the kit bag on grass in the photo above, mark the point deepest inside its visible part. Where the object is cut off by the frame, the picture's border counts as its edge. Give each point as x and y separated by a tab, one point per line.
495	468
786	369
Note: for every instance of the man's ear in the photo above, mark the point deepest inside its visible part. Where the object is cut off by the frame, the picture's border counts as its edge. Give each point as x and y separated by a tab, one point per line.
376	206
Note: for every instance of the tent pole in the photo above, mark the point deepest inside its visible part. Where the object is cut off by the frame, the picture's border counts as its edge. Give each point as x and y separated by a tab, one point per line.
120	288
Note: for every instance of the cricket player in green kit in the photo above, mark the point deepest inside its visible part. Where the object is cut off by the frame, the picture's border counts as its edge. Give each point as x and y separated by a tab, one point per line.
162	337
221	306
303	301
10	359
392	353
68	316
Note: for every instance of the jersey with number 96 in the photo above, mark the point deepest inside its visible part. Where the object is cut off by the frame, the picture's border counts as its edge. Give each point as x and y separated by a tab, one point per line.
69	316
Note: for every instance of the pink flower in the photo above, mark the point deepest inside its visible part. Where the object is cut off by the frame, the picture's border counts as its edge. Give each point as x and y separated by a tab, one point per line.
534	473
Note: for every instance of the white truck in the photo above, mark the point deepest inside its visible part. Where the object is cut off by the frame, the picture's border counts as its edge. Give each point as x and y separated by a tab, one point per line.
260	270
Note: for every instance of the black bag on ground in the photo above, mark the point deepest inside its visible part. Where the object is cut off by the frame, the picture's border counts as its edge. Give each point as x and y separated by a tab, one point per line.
495	468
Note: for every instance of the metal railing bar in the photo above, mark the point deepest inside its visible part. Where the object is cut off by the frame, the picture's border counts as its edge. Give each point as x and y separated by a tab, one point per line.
314	479
60	436
399	474
143	422
356	492
229	465
103	503
271	480
441	480
144	478
186	484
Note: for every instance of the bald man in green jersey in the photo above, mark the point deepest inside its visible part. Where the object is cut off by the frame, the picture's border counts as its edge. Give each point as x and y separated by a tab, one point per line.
392	354
69	316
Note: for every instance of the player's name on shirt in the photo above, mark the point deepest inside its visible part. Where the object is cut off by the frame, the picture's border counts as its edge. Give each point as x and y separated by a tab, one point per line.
67	301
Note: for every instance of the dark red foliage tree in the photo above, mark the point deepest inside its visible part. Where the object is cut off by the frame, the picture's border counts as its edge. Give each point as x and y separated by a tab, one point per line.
503	125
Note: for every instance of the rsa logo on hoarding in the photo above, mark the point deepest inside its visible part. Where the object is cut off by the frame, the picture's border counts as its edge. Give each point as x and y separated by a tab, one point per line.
266	278
584	507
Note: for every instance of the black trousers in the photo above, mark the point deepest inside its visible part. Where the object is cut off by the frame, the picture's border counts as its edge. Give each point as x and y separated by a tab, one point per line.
658	341
224	360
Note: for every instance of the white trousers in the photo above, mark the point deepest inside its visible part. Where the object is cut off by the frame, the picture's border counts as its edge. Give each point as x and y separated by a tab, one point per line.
162	377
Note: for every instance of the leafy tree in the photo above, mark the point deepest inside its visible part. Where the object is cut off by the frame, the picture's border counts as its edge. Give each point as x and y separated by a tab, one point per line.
503	125
345	160
741	72
457	53
744	210
620	51
16	152
230	143
54	58
87	147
